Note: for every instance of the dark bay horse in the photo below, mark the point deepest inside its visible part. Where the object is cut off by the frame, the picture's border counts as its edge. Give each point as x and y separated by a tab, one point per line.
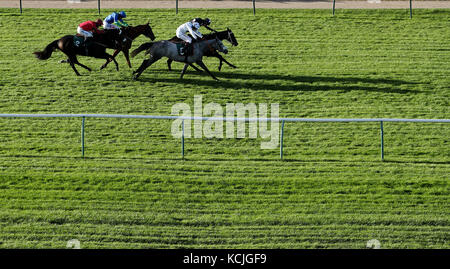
168	49
132	32
115	39
222	35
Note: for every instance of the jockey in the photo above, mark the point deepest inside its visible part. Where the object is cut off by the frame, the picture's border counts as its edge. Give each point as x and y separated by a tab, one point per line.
115	20
88	28
192	27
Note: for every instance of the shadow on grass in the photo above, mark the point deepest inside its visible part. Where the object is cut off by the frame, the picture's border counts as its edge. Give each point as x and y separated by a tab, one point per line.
275	82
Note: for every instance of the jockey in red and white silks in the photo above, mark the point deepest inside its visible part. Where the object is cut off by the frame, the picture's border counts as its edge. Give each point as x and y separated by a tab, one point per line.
88	28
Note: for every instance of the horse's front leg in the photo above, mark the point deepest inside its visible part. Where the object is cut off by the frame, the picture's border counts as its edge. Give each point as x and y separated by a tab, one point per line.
105	64
109	60
126	54
221	59
115	62
196	68
202	65
184	70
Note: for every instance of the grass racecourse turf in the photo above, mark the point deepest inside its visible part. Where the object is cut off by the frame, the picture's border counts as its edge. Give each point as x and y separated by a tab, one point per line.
133	190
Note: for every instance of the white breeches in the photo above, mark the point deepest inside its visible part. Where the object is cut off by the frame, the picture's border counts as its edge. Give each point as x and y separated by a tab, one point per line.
84	32
109	26
183	36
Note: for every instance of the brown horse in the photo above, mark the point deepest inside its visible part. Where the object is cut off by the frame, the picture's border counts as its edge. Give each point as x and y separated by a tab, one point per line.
97	49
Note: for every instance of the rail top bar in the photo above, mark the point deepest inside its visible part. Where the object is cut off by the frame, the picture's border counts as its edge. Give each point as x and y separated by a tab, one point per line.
218	118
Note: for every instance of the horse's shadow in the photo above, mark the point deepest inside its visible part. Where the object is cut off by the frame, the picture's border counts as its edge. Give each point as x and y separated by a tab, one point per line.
278	82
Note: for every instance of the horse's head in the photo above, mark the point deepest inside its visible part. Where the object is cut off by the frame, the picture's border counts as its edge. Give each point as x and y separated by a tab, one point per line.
231	38
148	32
218	45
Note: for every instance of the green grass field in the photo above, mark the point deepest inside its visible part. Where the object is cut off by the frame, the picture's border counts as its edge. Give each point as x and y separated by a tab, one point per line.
133	190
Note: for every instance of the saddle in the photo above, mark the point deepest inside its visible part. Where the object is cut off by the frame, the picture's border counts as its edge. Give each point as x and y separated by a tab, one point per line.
184	49
79	42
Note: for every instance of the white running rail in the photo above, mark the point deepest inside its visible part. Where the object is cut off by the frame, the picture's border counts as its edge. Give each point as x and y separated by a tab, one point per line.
282	120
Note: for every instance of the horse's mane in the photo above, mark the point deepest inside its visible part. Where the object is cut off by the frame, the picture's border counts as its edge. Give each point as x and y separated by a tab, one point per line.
205	36
210	36
215	34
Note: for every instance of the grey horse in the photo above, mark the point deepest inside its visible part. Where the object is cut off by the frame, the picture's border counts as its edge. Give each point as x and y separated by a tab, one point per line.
168	49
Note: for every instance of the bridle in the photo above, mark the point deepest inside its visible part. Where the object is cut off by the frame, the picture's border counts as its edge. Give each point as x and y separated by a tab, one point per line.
229	37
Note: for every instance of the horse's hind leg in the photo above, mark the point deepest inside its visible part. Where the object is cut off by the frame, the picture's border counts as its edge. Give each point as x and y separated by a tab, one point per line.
74	60
72	64
169	64
82	65
145	64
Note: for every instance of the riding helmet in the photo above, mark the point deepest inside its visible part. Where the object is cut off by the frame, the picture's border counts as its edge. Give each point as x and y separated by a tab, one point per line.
206	21
122	14
99	22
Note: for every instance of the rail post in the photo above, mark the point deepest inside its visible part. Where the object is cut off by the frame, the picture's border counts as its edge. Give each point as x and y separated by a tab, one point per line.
281	140
334	5
254	8
410	9
176	7
382	140
20	3
82	136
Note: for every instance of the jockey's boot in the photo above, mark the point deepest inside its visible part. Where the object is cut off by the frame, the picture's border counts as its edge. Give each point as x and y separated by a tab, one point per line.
187	50
86	41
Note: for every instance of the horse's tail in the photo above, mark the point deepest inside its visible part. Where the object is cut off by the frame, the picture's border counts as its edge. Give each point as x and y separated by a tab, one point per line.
47	52
142	47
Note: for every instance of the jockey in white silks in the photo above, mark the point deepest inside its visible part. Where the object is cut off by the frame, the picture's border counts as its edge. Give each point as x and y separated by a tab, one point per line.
192	28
